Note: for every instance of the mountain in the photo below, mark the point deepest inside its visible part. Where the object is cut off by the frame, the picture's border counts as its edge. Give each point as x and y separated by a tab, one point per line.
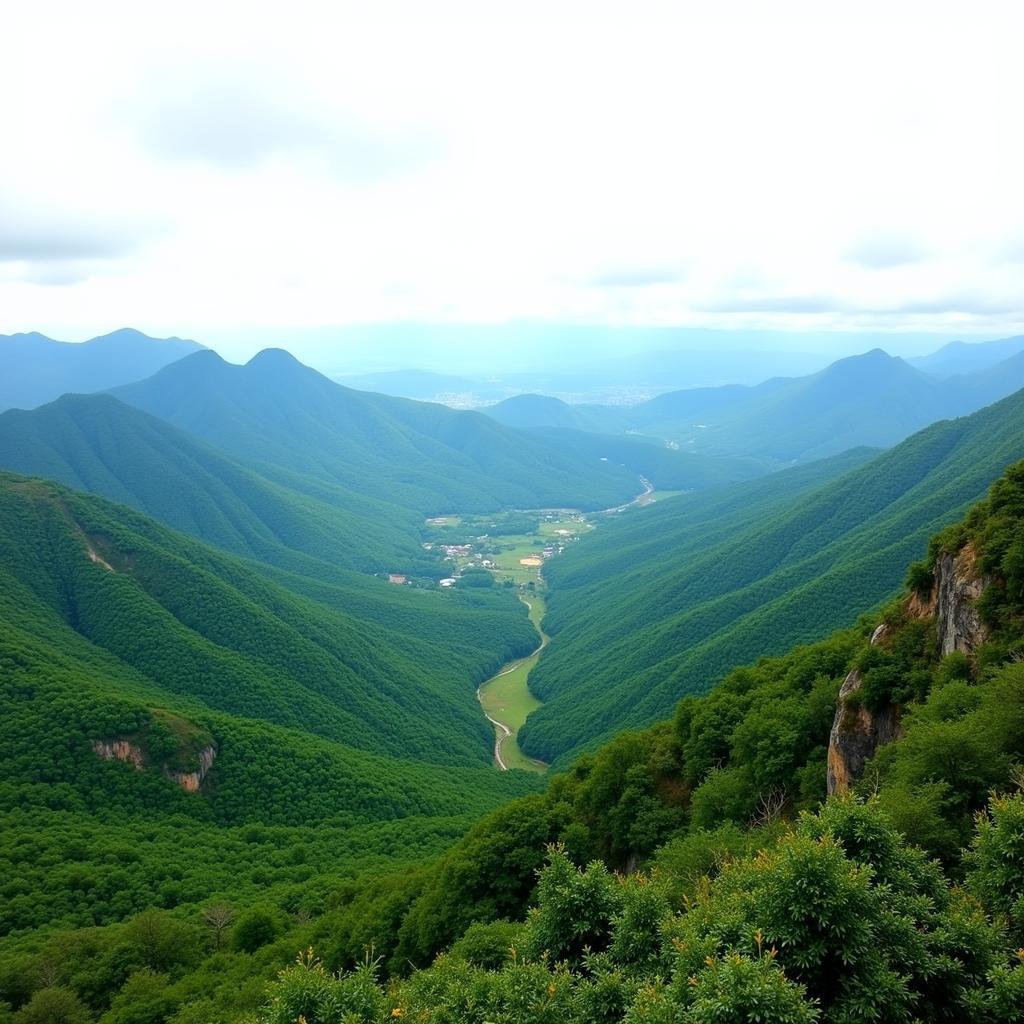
97	444
969	391
699	841
872	399
35	369
530	412
962	357
596	431
665	467
165	859
295	425
693	405
166	700
202	624
705	582
693	871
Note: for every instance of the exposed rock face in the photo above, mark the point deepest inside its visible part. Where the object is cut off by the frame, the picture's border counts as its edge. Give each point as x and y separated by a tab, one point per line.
856	735
958	585
130	753
191	781
120	750
856	731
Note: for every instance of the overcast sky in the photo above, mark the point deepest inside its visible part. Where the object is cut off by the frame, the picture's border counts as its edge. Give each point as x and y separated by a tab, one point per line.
206	169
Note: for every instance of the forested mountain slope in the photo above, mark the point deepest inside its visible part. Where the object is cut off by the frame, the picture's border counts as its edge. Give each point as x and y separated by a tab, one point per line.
36	369
98	444
872	399
201	624
719	885
530	412
232	703
964	357
648	609
296	425
751	883
668	469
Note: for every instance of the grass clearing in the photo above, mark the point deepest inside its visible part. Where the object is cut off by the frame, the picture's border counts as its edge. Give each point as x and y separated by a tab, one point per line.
506	697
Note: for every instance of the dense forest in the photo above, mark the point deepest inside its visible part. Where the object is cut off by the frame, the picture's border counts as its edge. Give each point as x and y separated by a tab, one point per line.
300	429
133	660
95	443
665	603
689	872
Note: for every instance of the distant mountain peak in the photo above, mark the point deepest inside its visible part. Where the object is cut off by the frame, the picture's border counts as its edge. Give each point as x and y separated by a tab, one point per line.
874	355
204	355
35	369
274	357
130	334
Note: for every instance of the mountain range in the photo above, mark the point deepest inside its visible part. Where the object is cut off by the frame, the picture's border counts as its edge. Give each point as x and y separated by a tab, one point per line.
224	738
35	369
872	399
292	422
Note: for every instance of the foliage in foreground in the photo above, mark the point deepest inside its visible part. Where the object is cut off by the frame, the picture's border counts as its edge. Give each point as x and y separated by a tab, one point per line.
837	920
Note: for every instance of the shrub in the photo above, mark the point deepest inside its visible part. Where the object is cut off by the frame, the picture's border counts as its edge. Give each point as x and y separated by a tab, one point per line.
257	927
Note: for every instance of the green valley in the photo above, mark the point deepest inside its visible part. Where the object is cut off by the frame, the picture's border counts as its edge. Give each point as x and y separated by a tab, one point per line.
704	583
507	700
576	574
258	694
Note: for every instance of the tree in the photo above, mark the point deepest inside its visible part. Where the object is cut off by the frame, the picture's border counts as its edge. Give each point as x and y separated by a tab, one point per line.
53	1006
218	917
162	941
255	928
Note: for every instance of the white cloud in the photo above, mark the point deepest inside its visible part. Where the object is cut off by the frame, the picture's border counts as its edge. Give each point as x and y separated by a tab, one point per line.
793	164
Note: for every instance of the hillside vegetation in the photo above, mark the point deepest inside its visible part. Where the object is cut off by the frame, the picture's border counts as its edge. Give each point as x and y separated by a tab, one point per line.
136	664
301	429
95	443
756	900
655	606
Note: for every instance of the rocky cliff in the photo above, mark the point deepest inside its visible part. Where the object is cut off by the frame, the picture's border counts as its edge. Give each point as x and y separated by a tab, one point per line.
120	750
958	585
191	781
131	753
857	732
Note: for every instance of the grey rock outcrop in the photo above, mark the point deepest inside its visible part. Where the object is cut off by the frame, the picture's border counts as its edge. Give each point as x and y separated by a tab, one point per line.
958	585
120	750
130	753
857	732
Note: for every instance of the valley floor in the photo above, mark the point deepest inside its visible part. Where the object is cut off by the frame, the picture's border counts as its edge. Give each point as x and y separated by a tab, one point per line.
507	700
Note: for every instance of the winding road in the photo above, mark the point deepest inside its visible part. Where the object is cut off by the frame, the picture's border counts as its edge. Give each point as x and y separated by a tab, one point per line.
638	500
504	730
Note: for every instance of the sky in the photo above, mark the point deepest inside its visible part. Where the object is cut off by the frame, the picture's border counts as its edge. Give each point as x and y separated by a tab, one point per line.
235	171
